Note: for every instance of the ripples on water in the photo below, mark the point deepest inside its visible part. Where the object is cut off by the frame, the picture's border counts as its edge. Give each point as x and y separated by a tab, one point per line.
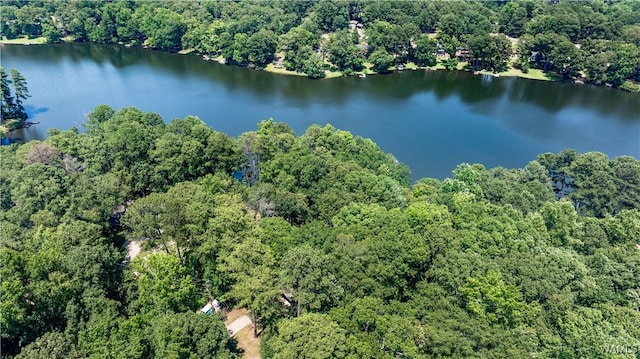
431	120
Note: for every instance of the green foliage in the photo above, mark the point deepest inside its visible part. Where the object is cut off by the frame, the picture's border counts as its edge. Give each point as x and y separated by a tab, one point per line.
253	269
325	240
610	62
163	284
189	335
381	61
344	53
492	300
331	15
164	30
12	112
555	53
262	46
313	66
309	336
249	33
489	52
298	45
395	39
304	272
425	52
513	19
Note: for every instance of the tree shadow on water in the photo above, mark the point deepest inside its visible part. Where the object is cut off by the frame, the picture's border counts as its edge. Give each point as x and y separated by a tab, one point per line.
33	111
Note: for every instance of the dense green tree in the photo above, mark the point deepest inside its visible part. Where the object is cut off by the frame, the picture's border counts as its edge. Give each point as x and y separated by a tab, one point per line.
313	66
491	299
262	46
374	331
163	284
425	51
12	112
165	30
449	44
52	33
189	335
556	53
298	44
227	28
490	52
513	18
309	336
188	150
381	60
304	273
8	101
252	267
52	345
344	53
608	62
21	93
126	26
30	19
331	15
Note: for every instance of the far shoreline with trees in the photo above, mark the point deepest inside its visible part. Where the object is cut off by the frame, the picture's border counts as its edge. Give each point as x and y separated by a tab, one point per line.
583	42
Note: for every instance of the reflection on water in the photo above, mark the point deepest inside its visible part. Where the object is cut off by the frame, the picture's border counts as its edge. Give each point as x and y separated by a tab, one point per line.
431	120
33	111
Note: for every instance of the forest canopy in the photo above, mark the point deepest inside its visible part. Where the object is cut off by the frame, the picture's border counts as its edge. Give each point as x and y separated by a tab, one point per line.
536	261
593	41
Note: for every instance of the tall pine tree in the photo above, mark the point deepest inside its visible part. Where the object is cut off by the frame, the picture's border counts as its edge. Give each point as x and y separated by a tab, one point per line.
6	99
21	93
12	112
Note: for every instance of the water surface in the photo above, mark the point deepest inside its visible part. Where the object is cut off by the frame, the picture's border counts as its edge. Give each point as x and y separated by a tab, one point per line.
430	120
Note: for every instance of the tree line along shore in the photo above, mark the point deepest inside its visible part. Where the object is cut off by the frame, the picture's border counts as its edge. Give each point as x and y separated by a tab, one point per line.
586	42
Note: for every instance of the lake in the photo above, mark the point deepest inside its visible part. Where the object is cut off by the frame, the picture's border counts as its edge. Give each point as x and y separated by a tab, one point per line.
430	120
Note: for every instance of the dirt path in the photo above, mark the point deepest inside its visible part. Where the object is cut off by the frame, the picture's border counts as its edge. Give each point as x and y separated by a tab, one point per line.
249	345
240	328
133	249
238	325
234	314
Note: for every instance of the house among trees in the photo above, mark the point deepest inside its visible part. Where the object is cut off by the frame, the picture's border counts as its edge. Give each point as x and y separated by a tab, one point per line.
211	307
364	48
534	56
463	54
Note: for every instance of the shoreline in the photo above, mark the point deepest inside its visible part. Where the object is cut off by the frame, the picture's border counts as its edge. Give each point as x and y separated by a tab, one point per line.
24	41
532	74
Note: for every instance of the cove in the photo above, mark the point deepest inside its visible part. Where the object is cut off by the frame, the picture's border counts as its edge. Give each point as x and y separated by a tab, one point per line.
430	120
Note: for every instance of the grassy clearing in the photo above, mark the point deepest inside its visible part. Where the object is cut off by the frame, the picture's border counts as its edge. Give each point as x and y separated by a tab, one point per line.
464	65
282	71
534	74
332	74
235	314
411	66
24	41
631	86
368	69
250	346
